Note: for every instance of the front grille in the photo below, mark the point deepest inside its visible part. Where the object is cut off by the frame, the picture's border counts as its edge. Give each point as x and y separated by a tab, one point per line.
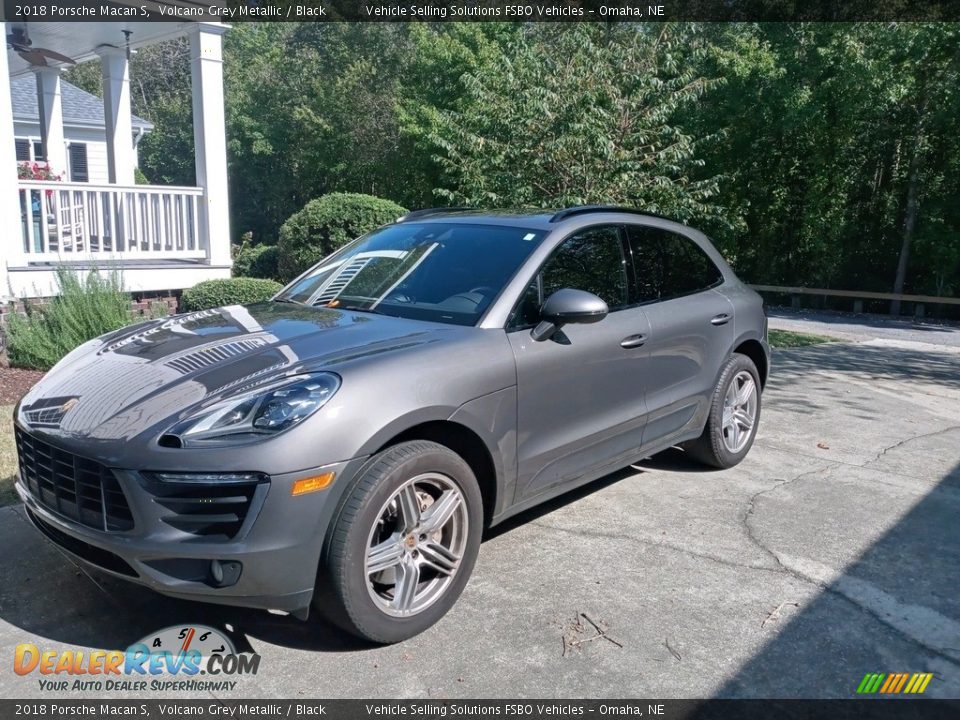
210	510
74	487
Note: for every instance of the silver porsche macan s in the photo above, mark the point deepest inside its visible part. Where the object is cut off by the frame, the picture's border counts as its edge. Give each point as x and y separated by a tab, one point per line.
344	445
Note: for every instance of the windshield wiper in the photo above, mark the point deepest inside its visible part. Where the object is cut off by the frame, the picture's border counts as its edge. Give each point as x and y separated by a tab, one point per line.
287	300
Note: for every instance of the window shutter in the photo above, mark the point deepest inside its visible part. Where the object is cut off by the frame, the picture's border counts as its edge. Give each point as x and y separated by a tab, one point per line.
23	150
78	163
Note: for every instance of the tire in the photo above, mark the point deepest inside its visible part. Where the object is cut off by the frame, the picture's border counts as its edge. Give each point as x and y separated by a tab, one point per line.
388	509
716	446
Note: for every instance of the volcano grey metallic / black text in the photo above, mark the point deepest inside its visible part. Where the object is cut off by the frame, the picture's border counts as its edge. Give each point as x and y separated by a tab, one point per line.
344	445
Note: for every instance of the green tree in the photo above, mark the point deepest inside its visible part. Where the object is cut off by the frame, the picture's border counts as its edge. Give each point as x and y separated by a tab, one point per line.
588	115
827	128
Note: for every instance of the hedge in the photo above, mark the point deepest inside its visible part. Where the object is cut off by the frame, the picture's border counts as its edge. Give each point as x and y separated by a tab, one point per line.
259	261
235	291
327	223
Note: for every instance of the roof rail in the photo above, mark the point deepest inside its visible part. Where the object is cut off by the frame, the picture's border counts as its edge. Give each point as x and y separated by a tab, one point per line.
585	209
426	212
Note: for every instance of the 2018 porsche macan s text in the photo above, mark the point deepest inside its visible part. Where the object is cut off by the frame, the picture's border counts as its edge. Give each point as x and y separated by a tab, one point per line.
343	446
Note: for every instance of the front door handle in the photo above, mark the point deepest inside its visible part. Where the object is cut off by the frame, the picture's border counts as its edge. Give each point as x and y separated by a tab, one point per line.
632	341
721	319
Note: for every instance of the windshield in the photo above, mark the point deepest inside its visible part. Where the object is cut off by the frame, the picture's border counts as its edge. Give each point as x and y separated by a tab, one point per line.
429	271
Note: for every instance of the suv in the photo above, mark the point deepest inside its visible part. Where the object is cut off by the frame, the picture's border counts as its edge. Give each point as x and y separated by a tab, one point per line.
344	445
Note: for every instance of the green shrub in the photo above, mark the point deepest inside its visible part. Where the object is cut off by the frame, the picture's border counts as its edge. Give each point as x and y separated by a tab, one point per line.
327	223
85	308
259	261
235	291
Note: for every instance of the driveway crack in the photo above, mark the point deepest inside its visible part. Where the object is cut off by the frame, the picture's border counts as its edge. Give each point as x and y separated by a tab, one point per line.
896	445
751	506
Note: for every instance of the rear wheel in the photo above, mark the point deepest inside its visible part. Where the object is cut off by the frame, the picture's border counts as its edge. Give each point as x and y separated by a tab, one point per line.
734	416
404	544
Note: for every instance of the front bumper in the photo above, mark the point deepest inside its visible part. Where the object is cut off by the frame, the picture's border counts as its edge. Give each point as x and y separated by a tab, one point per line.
270	562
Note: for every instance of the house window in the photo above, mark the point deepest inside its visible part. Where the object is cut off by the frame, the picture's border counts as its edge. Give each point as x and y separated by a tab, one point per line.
23	150
78	163
38	154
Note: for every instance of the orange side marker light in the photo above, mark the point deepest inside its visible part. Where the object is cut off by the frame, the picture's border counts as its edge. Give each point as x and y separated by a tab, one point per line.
312	484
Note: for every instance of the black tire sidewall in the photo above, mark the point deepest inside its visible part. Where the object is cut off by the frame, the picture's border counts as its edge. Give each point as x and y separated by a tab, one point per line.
349	544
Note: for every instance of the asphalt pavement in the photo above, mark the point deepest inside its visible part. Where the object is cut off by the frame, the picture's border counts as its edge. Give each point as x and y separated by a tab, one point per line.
832	551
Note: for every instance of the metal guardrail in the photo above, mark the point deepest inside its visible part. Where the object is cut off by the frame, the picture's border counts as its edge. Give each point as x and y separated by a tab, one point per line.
861	294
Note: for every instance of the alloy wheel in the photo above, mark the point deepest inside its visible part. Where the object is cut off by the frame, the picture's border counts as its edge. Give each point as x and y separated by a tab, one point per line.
739	411
415	547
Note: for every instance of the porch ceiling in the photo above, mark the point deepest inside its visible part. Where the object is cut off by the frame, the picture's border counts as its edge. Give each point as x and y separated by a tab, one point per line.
80	40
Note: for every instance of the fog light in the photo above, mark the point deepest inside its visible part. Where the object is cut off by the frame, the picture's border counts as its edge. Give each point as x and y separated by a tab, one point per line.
312	484
224	573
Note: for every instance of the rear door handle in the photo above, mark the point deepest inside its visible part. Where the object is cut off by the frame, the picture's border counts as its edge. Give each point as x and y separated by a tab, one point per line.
632	341
721	319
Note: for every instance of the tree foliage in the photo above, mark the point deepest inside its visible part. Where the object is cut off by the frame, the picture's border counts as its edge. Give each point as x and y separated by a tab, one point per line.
586	117
828	128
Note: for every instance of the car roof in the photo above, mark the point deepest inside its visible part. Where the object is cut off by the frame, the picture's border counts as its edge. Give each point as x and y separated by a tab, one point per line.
541	219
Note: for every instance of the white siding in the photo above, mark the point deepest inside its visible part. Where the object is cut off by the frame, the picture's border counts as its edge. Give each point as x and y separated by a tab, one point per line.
93	138
96	143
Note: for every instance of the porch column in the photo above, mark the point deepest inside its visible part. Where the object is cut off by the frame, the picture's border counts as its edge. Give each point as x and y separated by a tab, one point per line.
209	139
116	114
11	242
51	119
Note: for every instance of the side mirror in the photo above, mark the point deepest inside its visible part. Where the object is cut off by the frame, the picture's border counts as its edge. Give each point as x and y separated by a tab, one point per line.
565	307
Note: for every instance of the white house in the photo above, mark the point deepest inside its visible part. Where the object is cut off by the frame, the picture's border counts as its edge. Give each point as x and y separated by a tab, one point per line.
161	237
84	130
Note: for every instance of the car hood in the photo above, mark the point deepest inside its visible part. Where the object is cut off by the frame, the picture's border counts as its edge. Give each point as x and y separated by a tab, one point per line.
128	382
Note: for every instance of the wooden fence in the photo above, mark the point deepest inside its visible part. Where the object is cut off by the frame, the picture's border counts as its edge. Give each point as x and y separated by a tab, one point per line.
859	296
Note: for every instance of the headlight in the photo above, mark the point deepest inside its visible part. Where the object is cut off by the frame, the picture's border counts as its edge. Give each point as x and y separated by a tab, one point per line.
257	415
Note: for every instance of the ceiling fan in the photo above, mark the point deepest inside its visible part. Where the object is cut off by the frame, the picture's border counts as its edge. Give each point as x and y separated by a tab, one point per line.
18	41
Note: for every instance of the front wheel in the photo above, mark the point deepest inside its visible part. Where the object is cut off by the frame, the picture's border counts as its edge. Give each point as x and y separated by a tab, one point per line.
734	416
404	544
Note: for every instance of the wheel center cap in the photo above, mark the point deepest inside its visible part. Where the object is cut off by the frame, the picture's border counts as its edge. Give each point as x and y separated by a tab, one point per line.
410	541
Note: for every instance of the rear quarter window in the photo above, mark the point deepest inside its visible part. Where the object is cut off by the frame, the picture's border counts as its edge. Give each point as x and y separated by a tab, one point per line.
668	265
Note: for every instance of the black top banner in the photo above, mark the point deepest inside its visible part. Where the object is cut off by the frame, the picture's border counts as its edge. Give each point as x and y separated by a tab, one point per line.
234	11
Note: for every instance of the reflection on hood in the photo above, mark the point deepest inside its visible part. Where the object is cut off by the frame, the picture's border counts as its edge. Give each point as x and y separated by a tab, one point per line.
146	374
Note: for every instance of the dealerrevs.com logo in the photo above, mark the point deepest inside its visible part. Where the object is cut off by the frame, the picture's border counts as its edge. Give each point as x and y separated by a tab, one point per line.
170	660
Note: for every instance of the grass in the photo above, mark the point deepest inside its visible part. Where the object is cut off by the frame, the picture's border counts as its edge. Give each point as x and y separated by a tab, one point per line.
8	457
790	339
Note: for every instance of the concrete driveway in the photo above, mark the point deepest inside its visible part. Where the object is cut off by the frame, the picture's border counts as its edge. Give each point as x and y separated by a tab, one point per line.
831	552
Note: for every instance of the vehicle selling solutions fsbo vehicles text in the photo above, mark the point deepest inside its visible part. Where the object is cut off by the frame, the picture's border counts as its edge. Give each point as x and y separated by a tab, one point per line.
402	12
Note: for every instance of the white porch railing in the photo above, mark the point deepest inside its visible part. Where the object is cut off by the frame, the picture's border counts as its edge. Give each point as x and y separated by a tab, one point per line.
79	221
